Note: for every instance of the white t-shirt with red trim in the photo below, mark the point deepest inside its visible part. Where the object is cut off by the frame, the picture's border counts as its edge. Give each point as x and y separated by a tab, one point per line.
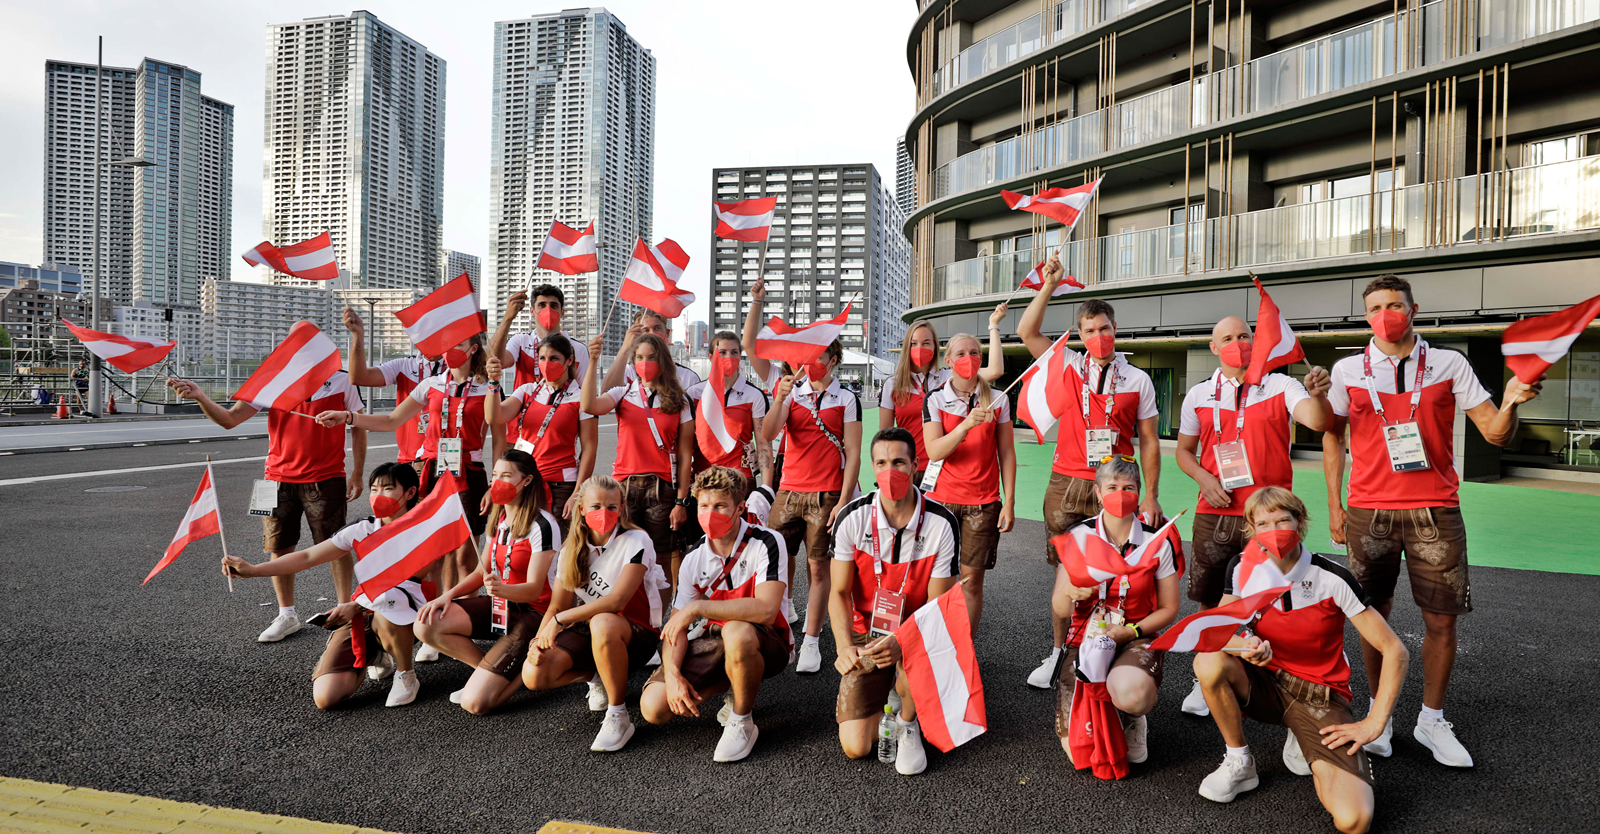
811	462
524	350
1448	384
1138	598
299	451
510	555
626	547
1306	624
1135	401
556	451
765	558
1268	414
908	414
758	506
637	450
404	374
970	474
743	407
910	558
462	402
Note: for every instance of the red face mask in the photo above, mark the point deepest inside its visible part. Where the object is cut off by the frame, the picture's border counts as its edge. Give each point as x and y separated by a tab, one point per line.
921	357
1280	543
1236	354
601	521
967	366
715	524
894	483
501	492
456	357
552	368
1390	325
816	370
384	506
647	371
1120	503
549	318
1100	346
728	365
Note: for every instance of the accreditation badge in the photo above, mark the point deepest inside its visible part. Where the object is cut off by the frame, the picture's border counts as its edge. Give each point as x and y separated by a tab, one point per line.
523	445
1233	465
888	608
499	615
422	423
450	455
263	497
930	476
1404	442
1097	445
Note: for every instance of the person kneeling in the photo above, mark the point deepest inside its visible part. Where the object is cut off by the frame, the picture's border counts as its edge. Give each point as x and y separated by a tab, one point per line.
605	613
1292	670
736	580
386	622
893	550
516	570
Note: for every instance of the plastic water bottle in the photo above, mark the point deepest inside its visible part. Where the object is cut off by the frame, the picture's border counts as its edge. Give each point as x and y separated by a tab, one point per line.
887	739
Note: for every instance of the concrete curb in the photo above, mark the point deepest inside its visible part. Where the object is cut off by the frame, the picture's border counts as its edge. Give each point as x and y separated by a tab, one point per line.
80	421
91	447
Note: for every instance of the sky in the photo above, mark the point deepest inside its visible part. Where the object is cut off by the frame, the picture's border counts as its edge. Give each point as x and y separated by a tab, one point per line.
738	84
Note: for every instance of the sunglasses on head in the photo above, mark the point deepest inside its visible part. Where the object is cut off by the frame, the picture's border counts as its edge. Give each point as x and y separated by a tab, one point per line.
1110	458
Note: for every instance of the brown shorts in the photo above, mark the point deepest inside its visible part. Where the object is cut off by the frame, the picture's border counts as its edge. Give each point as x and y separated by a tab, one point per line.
576	641
650	499
1135	653
1435	543
558	492
338	656
1067	501
980	533
1217	539
323	505
1277	697
863	694
510	649
704	665
802	517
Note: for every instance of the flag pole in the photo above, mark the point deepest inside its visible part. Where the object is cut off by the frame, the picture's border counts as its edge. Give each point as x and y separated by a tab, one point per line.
221	532
1014	382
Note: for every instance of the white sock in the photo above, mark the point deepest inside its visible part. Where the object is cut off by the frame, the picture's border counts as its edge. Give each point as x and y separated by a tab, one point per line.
1055	653
1240	752
1429	714
287	611
734	716
620	710
811	640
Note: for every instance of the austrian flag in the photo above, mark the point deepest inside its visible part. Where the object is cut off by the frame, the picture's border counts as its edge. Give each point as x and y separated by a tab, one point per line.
711	424
779	342
1035	282
747	220
201	520
1044	394
652	278
942	671
1531	346
293	371
125	354
1061	204
311	259
444	318
401	548
1274	345
1210	630
569	251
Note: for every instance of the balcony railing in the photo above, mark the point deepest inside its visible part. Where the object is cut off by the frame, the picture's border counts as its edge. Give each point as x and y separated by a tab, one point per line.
1557	198
1021	39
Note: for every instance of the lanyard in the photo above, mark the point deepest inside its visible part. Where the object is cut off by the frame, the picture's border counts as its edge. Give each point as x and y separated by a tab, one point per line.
1241	398
1416	387
555	402
728	566
1123	582
816	416
454	429
502	538
655	432
916	546
1111	396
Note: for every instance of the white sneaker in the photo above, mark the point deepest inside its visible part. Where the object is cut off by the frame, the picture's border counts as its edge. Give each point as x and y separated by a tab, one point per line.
1236	775
725	714
738	739
909	758
810	658
1195	702
404	689
655	660
598	701
614	734
426	653
1439	736
1293	758
1137	732
1041	677
455	697
283	626
1382	745
381	667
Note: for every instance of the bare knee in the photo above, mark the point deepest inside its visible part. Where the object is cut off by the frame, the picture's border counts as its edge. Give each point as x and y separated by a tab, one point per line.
1133	691
1211	668
653	704
479	704
1352	820
608	628
855	745
739	640
1439	625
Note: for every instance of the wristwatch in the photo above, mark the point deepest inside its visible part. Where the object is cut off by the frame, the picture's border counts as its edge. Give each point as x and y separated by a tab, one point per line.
684	502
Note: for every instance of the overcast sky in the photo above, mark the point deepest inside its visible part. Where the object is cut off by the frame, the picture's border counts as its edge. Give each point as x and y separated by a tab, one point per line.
738	83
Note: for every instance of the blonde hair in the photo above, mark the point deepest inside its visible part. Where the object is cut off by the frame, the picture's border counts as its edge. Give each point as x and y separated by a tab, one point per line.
985	393
722	479
1272	498
903	370
574	559
525	508
666	384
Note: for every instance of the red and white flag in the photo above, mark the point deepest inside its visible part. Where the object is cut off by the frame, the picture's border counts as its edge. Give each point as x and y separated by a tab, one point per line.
434	527
942	671
779	342
309	259
1531	346
569	251
1035	282
1274	345
711	424
1044	395
747	220
1210	630
1095	737
123	353
652	278
444	318
1257	571
200	520
1061	204
1089	559
294	370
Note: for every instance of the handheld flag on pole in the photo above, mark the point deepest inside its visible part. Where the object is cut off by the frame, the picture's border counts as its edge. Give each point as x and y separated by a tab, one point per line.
294	370
311	260
428	531
652	278
1531	346
711	424
569	251
121	352
202	519
778	342
1274	344
746	220
1044	394
1210	630
444	318
1061	204
942	671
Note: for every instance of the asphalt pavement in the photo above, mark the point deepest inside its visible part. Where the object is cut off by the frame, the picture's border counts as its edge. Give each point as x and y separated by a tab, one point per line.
162	690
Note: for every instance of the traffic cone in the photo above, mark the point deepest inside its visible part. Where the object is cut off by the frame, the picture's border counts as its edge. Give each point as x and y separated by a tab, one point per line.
61	407
111	404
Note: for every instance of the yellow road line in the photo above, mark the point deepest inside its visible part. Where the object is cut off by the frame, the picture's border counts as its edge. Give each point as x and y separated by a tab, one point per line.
45	808
564	827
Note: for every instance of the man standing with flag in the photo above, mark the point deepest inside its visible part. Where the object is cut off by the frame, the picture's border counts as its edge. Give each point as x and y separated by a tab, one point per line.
1403	493
725	425
1233	439
1105	402
521	351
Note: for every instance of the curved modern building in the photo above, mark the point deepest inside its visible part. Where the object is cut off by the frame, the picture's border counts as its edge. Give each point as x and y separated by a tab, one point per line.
1312	144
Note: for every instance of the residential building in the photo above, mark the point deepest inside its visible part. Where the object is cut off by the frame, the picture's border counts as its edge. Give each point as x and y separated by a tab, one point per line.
698	337
30	311
572	139
1314	145
163	227
61	278
905	178
456	263
385	337
143	320
355	147
245	320
830	243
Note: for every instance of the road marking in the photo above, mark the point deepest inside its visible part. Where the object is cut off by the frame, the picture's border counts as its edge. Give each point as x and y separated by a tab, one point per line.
101	472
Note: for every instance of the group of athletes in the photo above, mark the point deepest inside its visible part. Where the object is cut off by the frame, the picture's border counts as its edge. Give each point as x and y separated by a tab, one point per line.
683	557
